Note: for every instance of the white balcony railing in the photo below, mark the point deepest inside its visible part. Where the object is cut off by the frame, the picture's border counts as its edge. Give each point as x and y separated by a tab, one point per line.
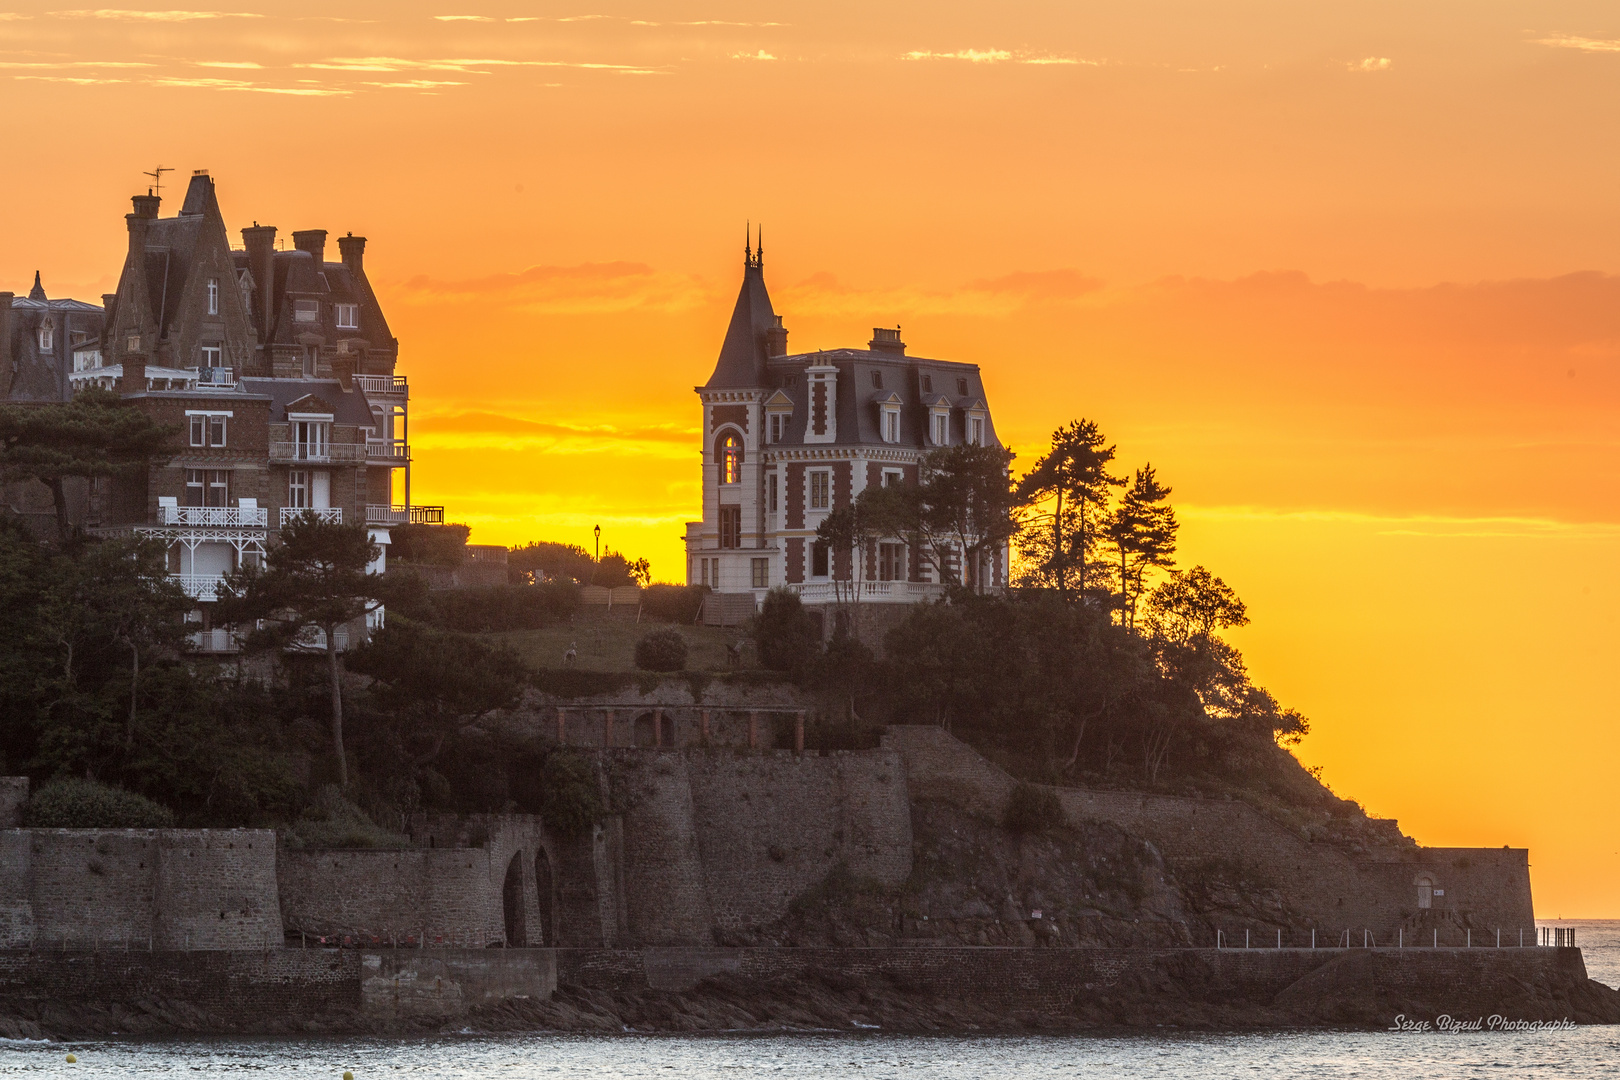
387	450
296	452
217	640
199	586
386	385
828	592
331	514
215	378
253	517
388	515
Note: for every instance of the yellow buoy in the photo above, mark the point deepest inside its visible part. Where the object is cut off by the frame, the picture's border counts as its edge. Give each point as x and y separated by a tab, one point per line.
72	1059
347	1075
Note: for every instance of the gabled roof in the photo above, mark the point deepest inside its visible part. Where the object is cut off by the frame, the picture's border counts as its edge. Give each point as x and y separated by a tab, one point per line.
302	395
889	397
779	400
743	354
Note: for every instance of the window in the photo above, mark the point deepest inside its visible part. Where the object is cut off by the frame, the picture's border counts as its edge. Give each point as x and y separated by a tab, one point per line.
213	296
211	355
1426	891
195	485
199	431
207	430
709	569
348	316
942	429
818	559
891	425
298	489
310	439
961	387
132	343
976	431
820	483
308	362
731	526
760	571
770	493
219	488
928	384
47	336
216	431
778	426
877	380
731	456
891	562
893	477
306	310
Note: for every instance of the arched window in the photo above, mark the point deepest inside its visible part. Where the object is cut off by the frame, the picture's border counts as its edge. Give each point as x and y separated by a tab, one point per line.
730	458
1425	888
47	336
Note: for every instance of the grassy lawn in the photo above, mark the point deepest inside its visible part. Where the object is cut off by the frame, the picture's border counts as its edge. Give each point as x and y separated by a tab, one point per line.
610	644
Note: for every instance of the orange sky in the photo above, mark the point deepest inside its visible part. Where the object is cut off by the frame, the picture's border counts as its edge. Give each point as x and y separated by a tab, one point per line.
1340	270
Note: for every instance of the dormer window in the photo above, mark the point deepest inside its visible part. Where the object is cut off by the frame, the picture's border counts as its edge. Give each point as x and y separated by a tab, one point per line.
132	343
961	387
928	384
877	380
891	425
976	430
306	311
942	429
348	316
47	336
778	429
213	296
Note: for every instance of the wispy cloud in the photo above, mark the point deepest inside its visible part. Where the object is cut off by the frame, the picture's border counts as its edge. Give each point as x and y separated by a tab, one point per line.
8	16
761	55
465	66
415	84
233	64
1585	44
975	56
62	65
1371	63
128	15
465	18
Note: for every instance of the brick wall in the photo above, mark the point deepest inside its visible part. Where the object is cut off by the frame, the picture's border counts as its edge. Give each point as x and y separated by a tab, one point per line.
167	888
1325	887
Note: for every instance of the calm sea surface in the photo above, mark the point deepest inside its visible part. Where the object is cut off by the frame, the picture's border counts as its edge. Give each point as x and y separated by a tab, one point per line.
1579	1053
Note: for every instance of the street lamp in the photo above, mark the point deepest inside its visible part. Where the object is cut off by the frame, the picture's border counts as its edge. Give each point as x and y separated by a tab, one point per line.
598	531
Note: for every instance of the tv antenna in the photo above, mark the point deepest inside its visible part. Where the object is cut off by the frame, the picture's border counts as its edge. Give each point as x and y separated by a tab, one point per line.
157	179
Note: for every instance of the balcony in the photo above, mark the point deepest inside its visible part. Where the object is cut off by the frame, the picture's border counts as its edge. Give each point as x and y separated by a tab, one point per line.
230	517
217	640
332	515
199	586
387	451
296	453
382	385
427	515
404	515
904	592
215	378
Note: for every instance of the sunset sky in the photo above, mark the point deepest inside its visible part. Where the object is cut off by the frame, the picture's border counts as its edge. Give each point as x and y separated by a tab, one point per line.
1343	272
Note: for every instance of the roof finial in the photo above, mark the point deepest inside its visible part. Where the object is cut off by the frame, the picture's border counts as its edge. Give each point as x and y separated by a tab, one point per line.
759	247
748	242
38	291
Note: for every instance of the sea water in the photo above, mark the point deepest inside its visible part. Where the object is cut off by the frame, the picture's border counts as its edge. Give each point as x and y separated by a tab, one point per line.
1582	1052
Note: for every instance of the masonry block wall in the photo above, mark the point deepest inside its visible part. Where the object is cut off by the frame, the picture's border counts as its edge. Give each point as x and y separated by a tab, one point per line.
1482	889
13	800
443	893
162	888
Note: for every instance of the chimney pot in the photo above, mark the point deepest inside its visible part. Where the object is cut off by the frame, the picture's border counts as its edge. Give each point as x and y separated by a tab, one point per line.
260	241
887	341
776	339
146	206
353	249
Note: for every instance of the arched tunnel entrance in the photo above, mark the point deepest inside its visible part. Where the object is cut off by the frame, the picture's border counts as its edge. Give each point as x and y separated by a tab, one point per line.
512	903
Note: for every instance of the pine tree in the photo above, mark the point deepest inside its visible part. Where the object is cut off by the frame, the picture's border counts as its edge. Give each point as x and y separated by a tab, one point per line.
1074	477
1142	534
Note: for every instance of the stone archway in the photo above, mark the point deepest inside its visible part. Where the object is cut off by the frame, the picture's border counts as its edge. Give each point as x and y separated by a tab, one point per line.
512	904
646	731
1425	891
545	887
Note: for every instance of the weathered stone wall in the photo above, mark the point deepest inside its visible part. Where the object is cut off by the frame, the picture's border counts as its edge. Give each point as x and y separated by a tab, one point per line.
400	984
166	888
1484	889
387	896
772	825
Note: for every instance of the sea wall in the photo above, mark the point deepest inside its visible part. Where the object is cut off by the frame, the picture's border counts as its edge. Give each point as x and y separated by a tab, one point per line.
160	888
1473	892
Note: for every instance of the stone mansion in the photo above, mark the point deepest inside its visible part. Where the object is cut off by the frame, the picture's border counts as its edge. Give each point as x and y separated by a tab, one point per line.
789	437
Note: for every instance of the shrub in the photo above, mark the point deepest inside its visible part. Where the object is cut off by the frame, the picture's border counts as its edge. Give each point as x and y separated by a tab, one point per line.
1032	809
786	638
661	650
85	804
492	608
570	801
431	545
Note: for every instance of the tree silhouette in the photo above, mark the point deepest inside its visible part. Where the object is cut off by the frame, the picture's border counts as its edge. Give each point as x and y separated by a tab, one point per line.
963	505
1074	477
1142	532
314	579
94	435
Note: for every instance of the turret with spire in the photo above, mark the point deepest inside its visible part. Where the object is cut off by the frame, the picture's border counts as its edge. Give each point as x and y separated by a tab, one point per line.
38	291
756	331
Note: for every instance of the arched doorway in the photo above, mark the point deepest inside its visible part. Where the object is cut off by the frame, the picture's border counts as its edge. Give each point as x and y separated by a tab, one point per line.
666	730
512	903
1425	888
646	735
544	887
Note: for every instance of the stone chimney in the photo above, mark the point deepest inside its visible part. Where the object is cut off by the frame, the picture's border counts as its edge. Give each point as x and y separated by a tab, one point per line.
108	300
146	206
260	241
314	242
887	341
134	380
776	339
343	370
353	249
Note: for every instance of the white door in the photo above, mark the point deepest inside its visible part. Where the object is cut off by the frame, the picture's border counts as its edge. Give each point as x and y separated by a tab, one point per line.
320	493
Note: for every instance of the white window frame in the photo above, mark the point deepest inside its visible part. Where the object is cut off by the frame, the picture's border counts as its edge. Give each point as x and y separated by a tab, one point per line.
213	296
211	356
777	427
316	432
47	335
893	477
199	422
891	425
759	571
810	480
306	311
939	428
348	316
298	488
976	430
770	493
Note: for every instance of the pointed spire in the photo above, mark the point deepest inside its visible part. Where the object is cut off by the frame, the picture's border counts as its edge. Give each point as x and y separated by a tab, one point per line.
759	247
748	240
38	291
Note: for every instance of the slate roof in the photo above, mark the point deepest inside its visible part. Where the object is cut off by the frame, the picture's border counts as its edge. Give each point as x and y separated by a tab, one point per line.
858	410
348	406
743	353
297	277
